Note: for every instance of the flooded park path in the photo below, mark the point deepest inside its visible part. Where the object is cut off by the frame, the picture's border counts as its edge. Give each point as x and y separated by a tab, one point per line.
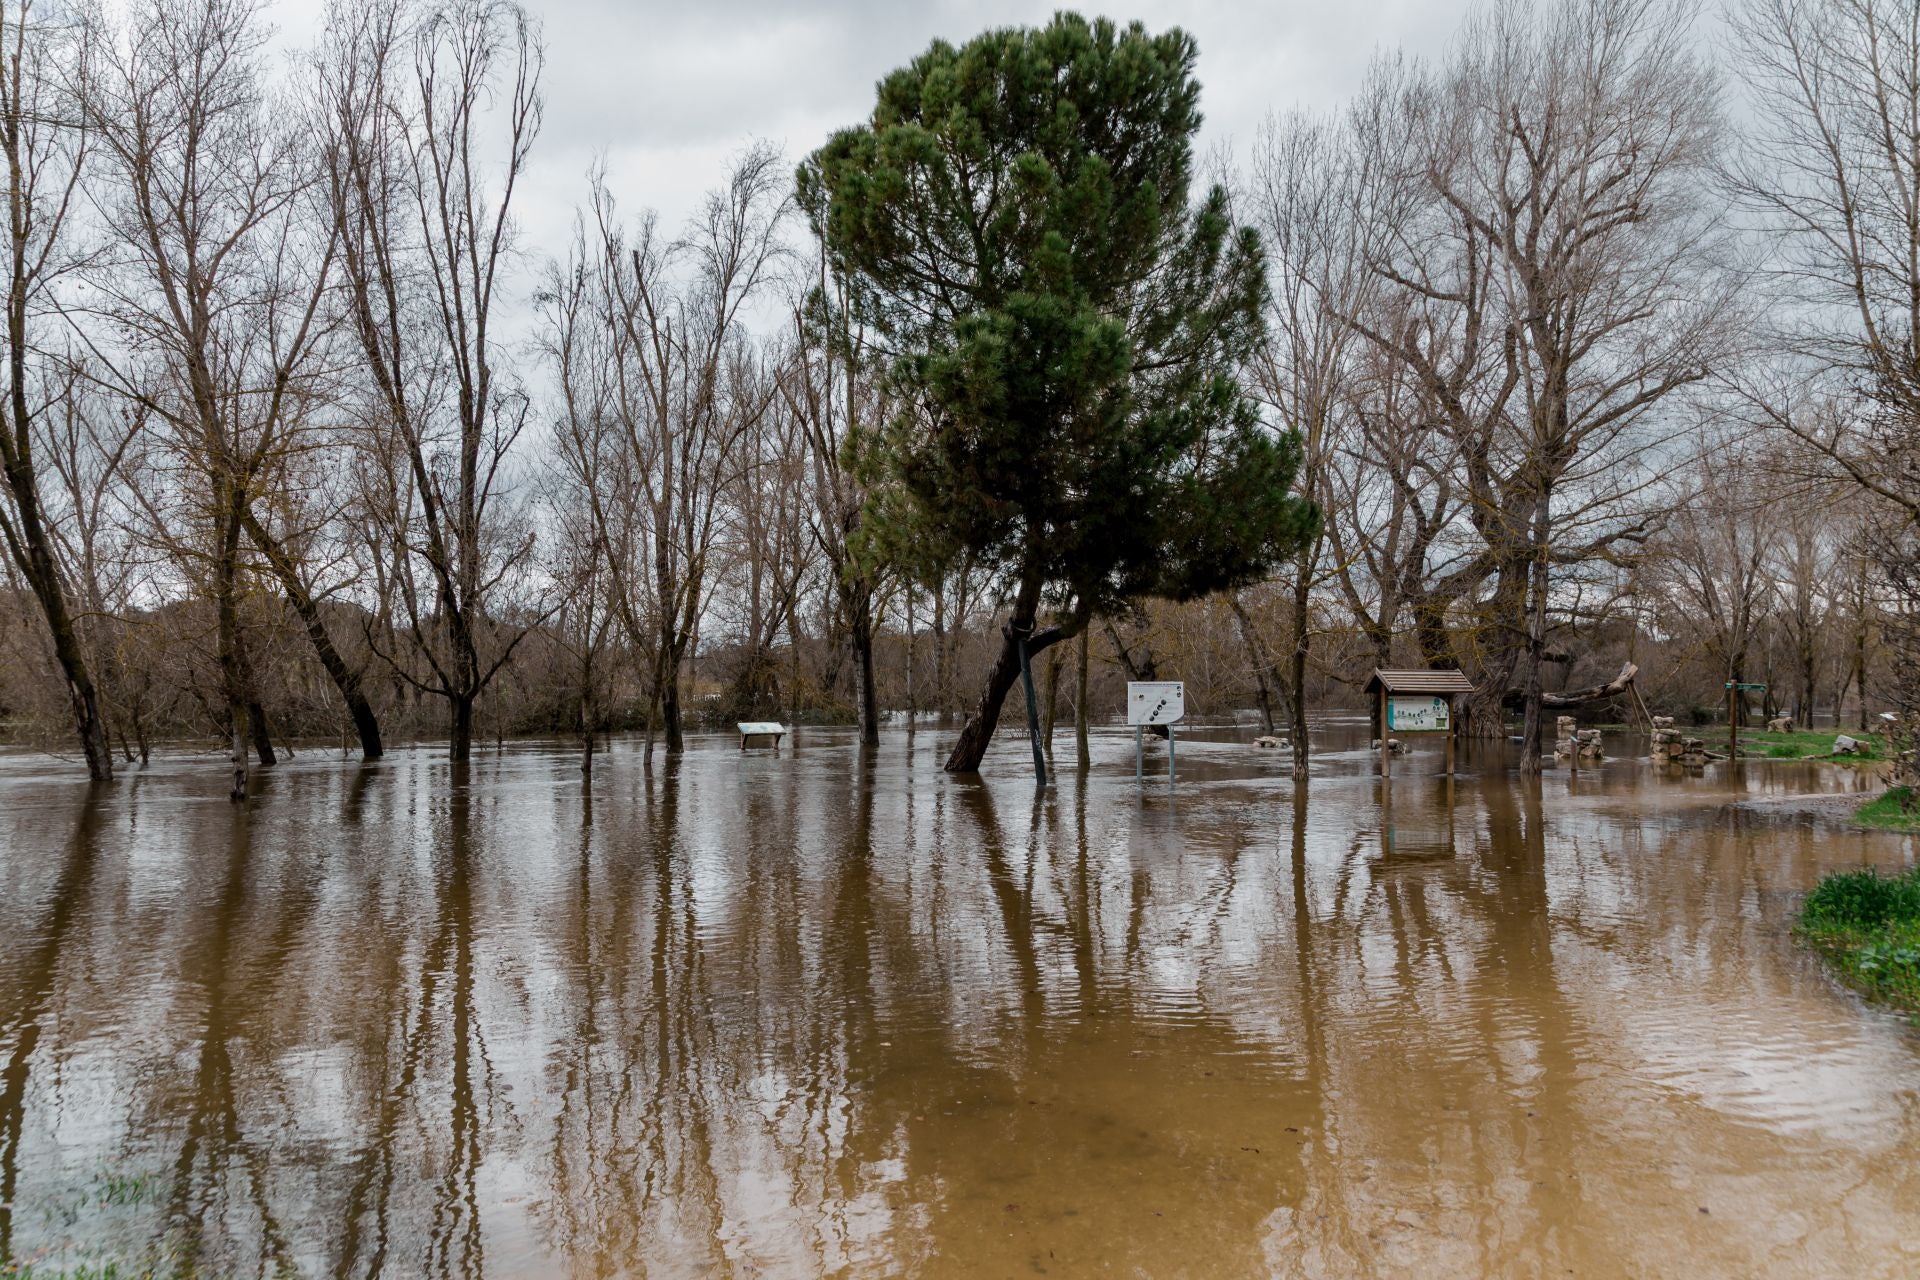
793	1014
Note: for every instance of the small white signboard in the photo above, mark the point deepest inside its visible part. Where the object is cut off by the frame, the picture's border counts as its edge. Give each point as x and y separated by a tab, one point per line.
1156	701
1422	714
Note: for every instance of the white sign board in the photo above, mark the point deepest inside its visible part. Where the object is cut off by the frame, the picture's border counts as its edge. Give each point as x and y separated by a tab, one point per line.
1423	714
1156	701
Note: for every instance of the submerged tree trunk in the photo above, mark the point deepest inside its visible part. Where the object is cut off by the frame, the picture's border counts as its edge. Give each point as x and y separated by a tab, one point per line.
1533	729
861	625
977	733
235	679
34	555
460	726
262	738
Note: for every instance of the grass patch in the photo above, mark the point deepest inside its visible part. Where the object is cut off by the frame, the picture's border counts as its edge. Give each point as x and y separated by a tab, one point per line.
1897	810
1868	927
1802	744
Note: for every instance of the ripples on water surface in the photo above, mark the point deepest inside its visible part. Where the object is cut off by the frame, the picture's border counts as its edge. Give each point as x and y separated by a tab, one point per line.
792	1014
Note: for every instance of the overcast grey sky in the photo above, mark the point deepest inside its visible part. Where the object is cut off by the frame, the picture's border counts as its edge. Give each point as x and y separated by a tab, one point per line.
668	91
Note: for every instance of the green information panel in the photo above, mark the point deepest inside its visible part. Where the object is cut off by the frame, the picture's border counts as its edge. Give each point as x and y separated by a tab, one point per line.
1417	715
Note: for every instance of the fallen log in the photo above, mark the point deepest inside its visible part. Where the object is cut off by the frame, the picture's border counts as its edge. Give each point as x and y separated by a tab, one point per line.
1580	697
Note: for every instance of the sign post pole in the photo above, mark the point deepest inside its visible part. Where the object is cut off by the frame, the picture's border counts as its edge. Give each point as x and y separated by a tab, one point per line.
1139	753
1733	721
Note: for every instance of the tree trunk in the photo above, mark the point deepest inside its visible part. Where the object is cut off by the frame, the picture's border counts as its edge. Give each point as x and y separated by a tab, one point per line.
861	624
1256	658
1533	728
942	685
670	706
344	678
34	555
234	684
975	736
460	728
262	740
1051	710
586	724
238	791
913	694
1302	642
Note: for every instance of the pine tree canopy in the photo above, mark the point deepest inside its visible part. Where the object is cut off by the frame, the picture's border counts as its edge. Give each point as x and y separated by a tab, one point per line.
1066	327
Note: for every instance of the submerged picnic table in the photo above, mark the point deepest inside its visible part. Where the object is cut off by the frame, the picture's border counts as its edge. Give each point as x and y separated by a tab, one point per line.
751	729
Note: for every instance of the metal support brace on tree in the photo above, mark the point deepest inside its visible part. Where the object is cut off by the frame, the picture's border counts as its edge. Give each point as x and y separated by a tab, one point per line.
1033	707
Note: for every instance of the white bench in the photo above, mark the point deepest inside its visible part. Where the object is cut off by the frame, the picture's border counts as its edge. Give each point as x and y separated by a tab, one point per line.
751	729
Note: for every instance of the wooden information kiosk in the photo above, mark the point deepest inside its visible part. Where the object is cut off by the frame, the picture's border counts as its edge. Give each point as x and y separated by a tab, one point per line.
1415	702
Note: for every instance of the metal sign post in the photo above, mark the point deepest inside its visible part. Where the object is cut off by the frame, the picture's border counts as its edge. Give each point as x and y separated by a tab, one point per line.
1154	702
1734	689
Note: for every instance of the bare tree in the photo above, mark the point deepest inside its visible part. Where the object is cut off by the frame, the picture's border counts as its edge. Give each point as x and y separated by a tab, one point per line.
656	368
45	155
1555	282
422	206
831	392
216	297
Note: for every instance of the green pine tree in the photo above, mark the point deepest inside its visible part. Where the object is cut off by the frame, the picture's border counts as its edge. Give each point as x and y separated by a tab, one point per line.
1066	330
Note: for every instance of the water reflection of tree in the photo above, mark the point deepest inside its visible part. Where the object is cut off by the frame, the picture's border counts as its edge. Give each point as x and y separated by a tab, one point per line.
37	955
428	1070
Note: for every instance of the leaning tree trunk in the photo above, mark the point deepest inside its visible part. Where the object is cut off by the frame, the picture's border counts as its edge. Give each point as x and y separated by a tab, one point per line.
1257	659
344	678
35	555
977	734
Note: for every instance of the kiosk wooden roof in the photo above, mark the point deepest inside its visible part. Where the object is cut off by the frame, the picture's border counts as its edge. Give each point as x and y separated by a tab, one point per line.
1447	681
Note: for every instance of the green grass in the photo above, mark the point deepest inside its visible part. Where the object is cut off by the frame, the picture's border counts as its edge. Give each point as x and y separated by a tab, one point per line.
1798	744
1867	925
1896	810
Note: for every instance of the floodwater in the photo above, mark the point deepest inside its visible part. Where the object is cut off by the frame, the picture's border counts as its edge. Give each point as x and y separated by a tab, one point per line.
800	1014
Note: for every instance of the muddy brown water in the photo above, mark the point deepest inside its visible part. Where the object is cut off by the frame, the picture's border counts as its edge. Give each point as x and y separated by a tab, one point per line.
801	1014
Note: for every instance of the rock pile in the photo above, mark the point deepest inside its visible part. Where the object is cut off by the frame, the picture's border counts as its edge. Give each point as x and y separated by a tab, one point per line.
1394	746
1268	741
1670	747
1584	743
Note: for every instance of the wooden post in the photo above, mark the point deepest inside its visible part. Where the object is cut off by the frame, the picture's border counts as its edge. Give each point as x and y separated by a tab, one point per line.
1733	722
1386	745
1451	733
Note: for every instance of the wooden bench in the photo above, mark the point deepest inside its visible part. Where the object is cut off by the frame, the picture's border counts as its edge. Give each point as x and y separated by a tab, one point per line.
761	729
